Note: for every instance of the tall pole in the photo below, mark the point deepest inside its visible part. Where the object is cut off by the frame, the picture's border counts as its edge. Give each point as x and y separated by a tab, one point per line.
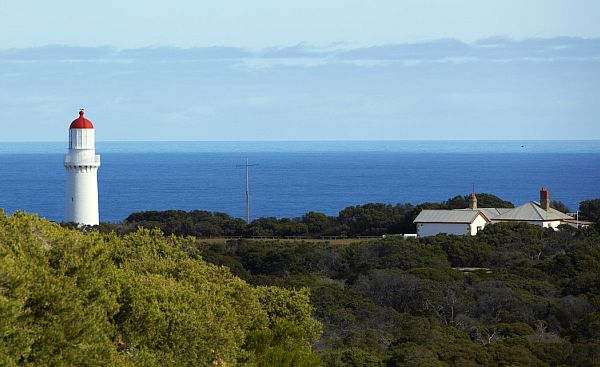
247	165
247	195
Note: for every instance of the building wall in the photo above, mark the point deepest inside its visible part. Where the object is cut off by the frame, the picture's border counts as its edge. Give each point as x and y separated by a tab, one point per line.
478	223
553	224
82	195
81	139
431	229
82	164
546	224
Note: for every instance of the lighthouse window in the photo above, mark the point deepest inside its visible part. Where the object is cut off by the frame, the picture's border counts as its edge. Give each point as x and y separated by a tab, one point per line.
71	199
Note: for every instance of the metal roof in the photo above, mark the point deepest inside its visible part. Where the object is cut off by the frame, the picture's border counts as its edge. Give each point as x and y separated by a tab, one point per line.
448	216
532	211
490	212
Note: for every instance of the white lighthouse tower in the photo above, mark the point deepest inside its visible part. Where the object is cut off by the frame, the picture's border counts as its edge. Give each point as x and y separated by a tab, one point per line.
82	173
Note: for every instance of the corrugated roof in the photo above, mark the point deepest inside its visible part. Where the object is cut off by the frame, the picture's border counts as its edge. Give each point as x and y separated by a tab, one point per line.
447	216
490	212
532	211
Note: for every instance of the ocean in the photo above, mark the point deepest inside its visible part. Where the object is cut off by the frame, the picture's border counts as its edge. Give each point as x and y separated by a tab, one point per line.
288	179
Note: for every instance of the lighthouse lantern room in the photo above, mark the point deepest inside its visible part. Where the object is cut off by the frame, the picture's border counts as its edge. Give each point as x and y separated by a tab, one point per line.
81	163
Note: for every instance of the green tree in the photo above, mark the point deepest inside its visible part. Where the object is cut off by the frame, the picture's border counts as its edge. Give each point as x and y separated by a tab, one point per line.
590	210
560	206
74	298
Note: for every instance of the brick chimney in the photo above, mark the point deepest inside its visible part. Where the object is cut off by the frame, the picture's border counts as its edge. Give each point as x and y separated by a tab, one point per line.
544	198
473	201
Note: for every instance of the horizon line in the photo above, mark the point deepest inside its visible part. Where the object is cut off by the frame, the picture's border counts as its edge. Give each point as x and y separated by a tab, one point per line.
310	140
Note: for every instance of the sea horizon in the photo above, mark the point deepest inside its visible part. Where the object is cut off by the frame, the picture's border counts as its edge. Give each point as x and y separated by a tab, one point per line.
292	178
318	145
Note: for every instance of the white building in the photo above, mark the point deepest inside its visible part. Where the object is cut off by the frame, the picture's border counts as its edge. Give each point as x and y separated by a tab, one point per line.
534	213
432	222
82	165
466	221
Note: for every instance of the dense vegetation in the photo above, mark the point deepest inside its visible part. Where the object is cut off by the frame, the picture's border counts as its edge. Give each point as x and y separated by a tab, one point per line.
590	210
74	299
514	295
362	220
395	302
531	297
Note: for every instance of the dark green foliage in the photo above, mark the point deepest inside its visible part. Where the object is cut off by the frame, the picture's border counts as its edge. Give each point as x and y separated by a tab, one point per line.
361	220
491	201
560	206
396	302
590	210
197	223
514	295
483	201
353	357
377	219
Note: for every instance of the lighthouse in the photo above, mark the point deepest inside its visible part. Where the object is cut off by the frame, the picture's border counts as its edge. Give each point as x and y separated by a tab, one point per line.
82	165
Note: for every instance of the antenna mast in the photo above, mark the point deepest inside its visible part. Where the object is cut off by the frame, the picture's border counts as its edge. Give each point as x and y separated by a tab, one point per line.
247	195
247	190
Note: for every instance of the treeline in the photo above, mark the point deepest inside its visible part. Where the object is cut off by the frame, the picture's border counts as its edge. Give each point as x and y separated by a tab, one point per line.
354	221
514	295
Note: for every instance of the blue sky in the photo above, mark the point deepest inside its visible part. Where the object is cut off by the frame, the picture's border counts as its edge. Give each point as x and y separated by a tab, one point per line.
263	23
269	70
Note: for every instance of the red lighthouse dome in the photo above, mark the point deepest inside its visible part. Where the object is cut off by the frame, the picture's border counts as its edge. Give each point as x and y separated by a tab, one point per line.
81	122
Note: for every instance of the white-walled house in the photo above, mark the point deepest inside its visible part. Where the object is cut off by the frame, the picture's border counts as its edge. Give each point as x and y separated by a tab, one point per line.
473	219
459	222
537	213
533	213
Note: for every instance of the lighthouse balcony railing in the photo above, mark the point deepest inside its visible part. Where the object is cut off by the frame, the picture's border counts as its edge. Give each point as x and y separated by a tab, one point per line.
82	161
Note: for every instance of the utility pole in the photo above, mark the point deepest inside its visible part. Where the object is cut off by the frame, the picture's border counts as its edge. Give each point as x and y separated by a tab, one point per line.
247	195
248	191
